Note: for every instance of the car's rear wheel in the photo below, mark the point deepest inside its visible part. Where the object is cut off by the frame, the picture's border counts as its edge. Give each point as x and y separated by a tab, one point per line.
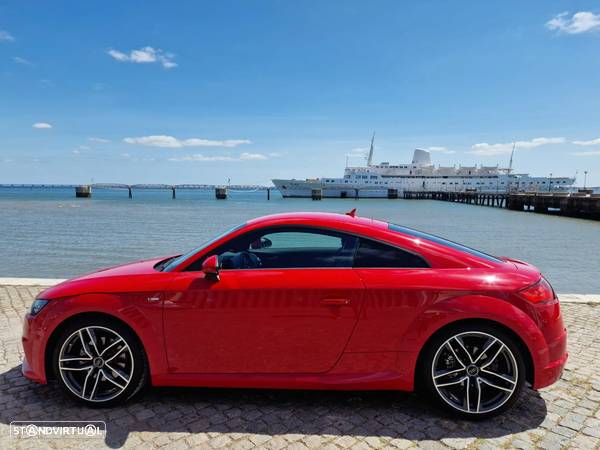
475	371
99	362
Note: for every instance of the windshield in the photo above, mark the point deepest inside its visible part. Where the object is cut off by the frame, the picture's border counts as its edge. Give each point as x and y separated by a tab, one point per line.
176	261
442	241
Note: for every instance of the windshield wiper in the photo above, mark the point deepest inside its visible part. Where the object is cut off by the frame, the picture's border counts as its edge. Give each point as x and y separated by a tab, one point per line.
161	265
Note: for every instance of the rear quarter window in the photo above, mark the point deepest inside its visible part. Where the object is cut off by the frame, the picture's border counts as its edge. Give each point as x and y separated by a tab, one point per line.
375	254
442	241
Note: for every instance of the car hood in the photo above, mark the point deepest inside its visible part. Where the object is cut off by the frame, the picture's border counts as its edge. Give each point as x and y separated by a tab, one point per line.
132	277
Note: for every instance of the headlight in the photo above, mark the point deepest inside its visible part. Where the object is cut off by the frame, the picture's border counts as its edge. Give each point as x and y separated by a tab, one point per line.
37	306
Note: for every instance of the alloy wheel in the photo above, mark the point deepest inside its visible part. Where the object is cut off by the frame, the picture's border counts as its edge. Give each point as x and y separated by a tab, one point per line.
96	363
475	372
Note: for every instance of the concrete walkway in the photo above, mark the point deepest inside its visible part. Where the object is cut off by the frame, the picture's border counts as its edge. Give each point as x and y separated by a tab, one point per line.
565	415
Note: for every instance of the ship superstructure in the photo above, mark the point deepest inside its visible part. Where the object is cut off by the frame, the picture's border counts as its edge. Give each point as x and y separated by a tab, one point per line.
374	180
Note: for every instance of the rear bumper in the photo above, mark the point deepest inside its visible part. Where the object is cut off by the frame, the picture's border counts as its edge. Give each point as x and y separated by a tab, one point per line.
557	355
551	373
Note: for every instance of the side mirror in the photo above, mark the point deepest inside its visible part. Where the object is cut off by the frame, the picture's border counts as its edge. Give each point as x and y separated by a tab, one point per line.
210	267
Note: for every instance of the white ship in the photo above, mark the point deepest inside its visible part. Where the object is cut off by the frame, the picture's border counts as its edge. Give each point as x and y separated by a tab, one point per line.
386	180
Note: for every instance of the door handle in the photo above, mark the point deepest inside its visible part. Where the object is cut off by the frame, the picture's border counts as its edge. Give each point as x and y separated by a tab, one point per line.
336	301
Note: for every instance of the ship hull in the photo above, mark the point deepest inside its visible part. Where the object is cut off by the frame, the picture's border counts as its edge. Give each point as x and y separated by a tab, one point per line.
304	189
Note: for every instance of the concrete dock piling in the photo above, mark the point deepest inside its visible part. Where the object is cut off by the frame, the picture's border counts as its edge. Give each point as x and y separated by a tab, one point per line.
221	193
83	191
317	194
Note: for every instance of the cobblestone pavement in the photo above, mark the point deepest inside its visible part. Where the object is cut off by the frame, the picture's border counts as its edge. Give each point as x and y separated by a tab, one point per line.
566	415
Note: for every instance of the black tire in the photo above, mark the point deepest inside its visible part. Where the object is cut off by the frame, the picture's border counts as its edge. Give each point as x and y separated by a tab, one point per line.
132	356
449	359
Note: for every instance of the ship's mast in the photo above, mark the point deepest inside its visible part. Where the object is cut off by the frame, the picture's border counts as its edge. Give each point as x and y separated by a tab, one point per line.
371	151
511	158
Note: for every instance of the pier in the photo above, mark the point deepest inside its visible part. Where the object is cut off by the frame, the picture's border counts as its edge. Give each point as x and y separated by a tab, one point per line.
471	198
583	204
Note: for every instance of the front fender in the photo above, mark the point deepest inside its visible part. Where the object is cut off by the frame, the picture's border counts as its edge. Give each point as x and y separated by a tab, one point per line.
134	309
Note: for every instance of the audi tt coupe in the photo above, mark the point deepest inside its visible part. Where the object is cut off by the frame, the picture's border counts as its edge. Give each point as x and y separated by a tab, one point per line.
305	301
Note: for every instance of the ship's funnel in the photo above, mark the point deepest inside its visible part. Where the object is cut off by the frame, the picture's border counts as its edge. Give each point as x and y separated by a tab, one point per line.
421	157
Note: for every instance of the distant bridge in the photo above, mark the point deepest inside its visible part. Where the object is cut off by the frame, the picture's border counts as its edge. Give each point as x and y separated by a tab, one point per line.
241	187
85	190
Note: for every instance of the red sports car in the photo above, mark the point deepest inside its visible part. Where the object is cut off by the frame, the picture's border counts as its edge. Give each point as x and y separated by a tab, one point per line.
305	301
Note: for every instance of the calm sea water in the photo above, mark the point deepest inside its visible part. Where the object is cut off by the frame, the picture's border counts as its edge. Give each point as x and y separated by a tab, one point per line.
49	233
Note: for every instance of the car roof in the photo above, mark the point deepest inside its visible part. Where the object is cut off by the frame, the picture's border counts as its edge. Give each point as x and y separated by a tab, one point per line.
317	218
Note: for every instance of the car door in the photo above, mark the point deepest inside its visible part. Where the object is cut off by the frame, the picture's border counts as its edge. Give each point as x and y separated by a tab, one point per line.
295	314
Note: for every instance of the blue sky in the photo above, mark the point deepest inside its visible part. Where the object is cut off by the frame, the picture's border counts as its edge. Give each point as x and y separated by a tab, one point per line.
200	92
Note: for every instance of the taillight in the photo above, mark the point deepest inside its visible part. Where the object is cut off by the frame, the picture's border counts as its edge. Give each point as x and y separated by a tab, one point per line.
539	292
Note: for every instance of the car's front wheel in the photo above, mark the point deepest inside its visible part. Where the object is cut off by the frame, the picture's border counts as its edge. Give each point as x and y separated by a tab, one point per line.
475	371
99	362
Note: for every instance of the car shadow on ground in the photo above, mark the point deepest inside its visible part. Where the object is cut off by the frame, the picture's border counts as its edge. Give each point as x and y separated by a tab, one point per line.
266	412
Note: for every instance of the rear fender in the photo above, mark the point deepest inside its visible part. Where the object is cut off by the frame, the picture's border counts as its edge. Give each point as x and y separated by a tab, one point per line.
480	307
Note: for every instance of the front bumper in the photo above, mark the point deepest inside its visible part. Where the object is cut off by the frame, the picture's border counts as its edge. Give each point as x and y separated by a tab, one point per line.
33	366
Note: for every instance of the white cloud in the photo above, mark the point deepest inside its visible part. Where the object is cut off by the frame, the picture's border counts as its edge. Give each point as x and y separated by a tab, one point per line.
203	158
440	150
252	156
135	159
588	143
145	55
23	61
5	36
41	125
580	22
173	142
359	152
485	149
276	154
99	140
119	56
590	153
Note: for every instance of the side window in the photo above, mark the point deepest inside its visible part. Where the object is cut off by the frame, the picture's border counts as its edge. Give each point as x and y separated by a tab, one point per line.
289	248
375	254
299	239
